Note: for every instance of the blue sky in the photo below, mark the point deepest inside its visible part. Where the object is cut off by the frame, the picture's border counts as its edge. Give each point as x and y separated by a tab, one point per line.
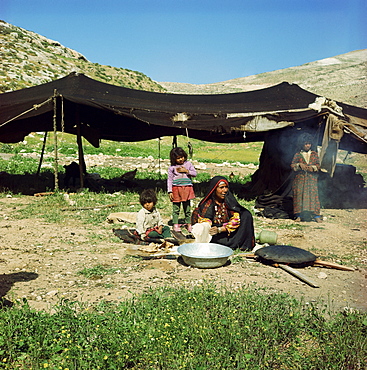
197	41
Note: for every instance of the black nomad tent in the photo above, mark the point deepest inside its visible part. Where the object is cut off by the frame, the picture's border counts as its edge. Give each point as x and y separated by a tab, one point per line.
82	106
104	111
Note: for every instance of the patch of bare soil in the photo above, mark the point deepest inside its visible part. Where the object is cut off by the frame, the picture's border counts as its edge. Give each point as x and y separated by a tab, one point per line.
40	261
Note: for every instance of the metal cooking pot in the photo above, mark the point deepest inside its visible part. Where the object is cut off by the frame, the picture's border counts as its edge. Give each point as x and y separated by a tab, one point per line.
204	255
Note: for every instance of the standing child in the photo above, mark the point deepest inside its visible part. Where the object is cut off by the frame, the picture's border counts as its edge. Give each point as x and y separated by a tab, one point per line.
149	223
179	186
306	164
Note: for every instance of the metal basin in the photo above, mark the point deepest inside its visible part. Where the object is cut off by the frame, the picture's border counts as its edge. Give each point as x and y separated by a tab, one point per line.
204	255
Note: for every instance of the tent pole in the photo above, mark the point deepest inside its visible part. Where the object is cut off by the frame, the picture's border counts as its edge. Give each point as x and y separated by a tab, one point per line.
159	157
55	141
80	153
42	153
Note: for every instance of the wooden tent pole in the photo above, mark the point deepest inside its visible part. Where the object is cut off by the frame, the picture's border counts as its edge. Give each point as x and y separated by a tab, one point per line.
159	157
56	165
80	153
42	153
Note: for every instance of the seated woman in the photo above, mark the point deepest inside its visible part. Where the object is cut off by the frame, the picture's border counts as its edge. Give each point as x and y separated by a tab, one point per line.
231	224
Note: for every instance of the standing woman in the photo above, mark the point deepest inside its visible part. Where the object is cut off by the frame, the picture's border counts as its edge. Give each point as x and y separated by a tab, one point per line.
230	223
306	164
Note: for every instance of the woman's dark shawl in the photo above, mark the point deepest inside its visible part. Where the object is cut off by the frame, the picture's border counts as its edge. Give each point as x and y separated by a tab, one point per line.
243	238
230	201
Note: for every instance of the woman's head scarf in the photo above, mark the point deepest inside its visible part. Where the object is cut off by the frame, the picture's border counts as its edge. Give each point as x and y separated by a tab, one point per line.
303	139
230	201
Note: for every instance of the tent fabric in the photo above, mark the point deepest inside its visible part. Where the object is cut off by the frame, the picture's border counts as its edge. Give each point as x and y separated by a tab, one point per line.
109	112
330	143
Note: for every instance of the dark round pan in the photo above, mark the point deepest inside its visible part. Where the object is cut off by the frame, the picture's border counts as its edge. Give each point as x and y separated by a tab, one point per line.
285	254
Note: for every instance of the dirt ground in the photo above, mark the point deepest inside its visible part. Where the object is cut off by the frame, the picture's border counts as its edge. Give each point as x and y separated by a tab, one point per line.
40	261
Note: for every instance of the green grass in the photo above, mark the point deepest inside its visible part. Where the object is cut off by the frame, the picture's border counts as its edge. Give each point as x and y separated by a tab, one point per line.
157	148
19	165
293	226
48	208
177	328
89	208
97	272
24	160
55	208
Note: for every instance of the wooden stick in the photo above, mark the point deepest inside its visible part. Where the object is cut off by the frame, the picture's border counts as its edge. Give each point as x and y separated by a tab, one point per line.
315	263
297	274
44	193
332	265
245	255
168	256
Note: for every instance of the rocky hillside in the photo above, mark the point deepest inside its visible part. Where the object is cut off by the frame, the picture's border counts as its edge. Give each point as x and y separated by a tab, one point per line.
28	59
341	78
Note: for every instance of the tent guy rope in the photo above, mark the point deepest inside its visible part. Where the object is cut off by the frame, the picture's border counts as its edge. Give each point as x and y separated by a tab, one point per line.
35	107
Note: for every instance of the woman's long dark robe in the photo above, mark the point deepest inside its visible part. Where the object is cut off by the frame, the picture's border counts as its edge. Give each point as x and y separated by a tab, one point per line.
243	237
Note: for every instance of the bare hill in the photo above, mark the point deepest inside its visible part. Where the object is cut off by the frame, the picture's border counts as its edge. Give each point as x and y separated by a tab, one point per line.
29	59
341	78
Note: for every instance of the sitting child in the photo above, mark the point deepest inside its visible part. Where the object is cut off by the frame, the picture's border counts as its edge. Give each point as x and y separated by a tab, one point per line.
149	223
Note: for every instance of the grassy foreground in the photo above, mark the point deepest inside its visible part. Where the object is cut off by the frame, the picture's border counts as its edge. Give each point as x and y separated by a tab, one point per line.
203	327
198	328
